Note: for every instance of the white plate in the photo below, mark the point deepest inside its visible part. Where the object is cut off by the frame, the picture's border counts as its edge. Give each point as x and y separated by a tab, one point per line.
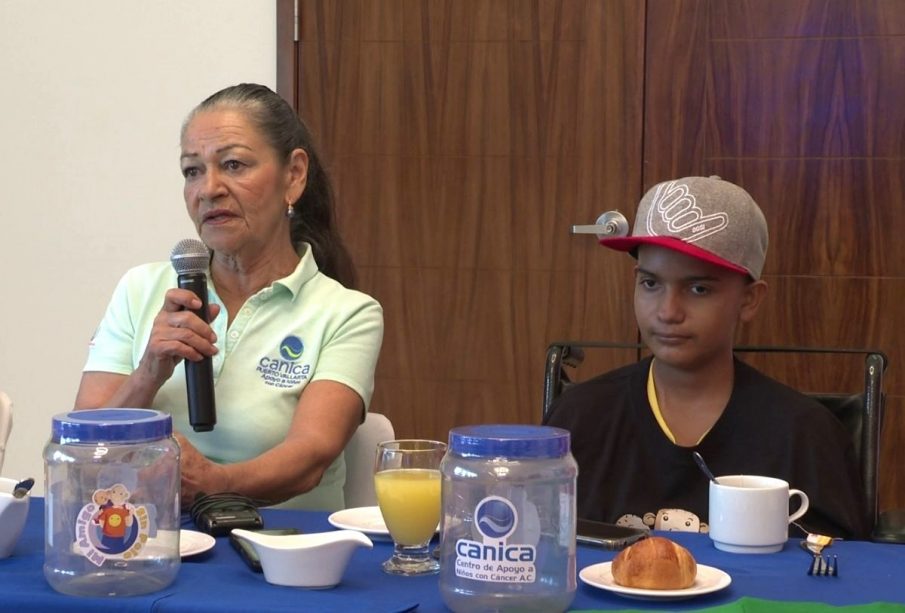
364	519
708	579
191	543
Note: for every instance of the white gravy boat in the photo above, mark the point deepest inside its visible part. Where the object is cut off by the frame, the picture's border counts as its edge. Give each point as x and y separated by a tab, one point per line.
315	560
13	513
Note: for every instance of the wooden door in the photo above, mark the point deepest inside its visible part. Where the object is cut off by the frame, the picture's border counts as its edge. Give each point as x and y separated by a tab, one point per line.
465	137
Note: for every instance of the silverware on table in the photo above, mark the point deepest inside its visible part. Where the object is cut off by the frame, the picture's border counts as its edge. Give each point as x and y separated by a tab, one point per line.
821	565
824	566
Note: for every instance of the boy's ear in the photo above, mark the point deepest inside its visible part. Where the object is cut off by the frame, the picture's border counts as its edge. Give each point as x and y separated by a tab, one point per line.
752	298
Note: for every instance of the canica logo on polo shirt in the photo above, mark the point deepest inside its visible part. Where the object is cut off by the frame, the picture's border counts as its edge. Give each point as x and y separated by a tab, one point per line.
291	348
284	369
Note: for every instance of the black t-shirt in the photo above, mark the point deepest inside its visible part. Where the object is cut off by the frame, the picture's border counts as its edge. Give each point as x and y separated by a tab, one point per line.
629	471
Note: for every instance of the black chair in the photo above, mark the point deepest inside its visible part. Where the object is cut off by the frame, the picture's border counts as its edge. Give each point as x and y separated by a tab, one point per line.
861	412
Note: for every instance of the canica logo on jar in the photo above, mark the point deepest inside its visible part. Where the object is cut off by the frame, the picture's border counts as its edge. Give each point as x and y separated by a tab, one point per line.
109	527
495	559
495	517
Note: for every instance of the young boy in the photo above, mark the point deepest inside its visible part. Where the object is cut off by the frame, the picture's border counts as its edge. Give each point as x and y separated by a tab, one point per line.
700	245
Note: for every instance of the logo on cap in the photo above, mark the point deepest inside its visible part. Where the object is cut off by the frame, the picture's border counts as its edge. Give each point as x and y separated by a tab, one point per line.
674	211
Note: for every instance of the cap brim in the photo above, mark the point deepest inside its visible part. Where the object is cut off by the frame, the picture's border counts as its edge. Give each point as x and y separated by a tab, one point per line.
630	243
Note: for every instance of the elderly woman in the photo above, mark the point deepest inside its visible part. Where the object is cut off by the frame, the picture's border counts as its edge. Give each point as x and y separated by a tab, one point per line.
293	349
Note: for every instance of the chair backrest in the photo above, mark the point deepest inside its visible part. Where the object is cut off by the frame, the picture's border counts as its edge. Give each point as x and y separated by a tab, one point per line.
360	454
861	411
6	424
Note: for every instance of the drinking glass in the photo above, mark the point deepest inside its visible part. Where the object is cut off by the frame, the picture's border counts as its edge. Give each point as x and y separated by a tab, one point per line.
407	481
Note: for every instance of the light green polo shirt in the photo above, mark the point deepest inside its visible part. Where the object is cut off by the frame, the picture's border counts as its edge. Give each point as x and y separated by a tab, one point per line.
302	328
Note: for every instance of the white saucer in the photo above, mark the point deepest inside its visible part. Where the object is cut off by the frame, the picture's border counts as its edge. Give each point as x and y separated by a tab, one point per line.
364	519
191	543
708	579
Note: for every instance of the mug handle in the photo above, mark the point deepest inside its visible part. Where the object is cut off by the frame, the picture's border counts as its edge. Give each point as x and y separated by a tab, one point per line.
803	508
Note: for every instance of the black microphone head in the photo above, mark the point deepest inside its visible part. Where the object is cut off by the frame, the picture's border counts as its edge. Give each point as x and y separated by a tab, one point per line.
190	256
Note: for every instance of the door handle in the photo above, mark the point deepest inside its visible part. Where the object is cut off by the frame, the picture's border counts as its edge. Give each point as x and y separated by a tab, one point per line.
609	225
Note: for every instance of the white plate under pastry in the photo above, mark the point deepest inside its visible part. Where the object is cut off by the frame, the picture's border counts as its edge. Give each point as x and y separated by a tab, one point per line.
708	580
191	543
364	519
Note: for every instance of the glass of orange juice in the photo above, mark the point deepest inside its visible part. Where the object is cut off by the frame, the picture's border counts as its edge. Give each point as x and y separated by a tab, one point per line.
407	481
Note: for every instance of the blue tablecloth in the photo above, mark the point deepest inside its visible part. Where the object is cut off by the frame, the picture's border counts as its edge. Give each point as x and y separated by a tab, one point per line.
218	581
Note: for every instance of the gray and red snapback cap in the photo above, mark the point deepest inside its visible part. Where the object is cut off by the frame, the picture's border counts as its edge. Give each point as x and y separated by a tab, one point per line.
703	217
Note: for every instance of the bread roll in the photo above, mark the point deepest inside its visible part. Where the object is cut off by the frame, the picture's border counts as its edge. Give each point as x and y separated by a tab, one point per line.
655	563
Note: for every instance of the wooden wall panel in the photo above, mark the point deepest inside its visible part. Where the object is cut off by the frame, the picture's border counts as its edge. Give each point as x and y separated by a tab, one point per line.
746	19
676	104
836	312
800	102
858	235
465	137
827	106
892	454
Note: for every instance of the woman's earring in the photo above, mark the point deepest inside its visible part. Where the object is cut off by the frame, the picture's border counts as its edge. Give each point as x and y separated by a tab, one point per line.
290	211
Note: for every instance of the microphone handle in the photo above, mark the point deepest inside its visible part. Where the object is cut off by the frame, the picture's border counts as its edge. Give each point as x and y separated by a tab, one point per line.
199	376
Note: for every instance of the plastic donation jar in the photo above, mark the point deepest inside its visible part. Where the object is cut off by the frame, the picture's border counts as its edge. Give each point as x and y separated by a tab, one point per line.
111	509
508	525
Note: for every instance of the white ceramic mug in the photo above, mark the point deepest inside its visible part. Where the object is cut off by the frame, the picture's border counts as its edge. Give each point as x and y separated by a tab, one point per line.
750	514
13	512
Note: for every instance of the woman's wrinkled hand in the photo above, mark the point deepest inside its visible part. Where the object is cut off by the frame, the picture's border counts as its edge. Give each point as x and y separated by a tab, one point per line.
198	474
178	334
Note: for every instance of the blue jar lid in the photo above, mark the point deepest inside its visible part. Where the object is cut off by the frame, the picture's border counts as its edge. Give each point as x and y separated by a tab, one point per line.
509	441
111	426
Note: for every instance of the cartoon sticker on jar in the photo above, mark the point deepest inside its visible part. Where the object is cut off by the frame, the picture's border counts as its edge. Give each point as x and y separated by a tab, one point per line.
110	527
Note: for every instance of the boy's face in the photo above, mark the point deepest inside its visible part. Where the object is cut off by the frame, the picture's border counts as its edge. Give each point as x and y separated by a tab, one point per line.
687	310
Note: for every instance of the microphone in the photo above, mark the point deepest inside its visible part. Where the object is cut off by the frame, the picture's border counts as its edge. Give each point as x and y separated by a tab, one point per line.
190	258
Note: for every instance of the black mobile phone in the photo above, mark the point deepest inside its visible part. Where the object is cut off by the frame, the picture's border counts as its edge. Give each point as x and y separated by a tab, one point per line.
608	536
247	551
219	522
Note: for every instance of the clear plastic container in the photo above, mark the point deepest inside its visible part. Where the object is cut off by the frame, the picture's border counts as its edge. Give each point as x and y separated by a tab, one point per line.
111	518
508	525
